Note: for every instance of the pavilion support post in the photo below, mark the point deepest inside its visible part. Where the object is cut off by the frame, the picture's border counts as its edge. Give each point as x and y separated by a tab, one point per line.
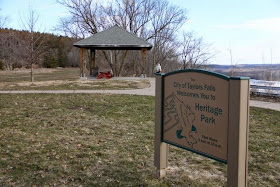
144	61
91	61
82	62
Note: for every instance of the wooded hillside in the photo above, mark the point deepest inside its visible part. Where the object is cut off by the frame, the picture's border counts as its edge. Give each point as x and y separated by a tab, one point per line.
56	51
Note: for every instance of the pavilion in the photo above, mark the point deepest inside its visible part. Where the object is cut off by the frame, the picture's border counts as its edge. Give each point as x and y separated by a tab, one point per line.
114	38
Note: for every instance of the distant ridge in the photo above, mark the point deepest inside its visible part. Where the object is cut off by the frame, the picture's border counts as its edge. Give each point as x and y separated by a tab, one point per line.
217	66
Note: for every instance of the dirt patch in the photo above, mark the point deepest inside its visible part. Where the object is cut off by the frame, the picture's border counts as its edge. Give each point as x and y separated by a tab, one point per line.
143	84
194	171
27	71
43	83
76	84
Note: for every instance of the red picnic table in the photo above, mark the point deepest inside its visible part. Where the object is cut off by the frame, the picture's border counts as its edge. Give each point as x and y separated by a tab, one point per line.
106	75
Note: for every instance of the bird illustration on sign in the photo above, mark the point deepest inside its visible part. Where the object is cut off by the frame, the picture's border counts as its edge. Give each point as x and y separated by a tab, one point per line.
179	115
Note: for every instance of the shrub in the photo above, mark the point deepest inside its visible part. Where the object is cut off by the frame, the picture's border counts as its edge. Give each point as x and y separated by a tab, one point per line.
16	65
2	64
50	62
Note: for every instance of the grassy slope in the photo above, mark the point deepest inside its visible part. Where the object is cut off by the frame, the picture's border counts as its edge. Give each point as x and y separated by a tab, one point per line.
62	79
102	140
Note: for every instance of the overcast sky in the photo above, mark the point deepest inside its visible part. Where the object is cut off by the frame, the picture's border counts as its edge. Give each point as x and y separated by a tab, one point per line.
249	28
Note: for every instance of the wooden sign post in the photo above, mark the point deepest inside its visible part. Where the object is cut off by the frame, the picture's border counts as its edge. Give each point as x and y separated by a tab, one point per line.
206	113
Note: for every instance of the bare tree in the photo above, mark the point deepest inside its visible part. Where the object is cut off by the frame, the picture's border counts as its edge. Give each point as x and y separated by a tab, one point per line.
154	21
233	62
34	45
165	24
9	44
86	17
195	53
3	40
264	69
132	16
271	67
3	21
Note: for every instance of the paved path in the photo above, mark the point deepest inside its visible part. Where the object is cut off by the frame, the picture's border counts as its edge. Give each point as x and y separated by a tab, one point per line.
146	91
268	105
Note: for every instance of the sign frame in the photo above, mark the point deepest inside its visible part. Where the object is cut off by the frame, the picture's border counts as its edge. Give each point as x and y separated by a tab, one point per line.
237	130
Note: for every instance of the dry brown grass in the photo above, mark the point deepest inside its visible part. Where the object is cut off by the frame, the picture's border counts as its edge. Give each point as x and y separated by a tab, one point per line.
107	140
62	79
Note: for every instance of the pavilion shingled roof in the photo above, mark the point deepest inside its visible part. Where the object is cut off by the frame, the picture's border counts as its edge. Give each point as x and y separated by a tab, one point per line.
113	38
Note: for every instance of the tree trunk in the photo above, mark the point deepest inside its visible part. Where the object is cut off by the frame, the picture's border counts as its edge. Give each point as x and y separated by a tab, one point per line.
116	63
32	73
123	62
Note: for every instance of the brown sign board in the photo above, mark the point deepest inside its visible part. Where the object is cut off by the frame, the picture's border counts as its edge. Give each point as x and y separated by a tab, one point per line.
195	112
206	113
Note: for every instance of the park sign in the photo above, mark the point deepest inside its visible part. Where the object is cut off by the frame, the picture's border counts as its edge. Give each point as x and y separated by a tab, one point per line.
195	113
206	113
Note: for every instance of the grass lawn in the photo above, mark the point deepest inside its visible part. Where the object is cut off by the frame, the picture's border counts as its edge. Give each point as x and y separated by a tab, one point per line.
45	74
62	79
107	140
